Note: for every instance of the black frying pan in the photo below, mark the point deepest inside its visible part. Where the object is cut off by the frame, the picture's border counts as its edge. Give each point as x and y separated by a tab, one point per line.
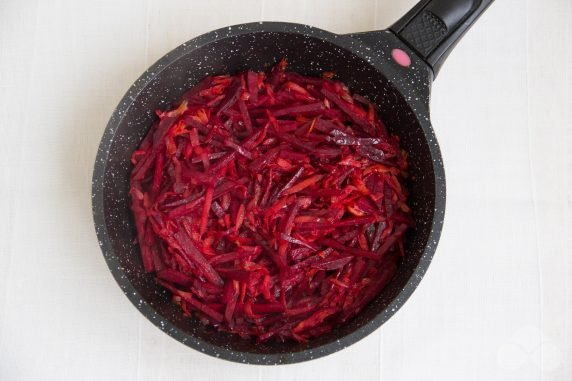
394	68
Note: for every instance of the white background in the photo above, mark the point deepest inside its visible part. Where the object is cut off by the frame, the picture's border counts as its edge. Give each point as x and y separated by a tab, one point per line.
496	303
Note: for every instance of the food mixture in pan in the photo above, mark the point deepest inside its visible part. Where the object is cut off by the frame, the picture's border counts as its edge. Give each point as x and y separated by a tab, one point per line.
271	205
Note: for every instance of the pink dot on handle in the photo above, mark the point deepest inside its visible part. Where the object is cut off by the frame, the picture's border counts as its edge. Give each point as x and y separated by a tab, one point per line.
401	57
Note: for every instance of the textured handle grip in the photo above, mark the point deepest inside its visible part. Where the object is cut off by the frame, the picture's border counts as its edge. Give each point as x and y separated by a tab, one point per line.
425	32
433	27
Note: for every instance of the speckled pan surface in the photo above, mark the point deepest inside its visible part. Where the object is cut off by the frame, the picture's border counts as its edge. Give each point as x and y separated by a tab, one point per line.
364	62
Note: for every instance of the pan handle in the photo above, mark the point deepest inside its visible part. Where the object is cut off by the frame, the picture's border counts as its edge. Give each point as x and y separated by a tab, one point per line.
433	27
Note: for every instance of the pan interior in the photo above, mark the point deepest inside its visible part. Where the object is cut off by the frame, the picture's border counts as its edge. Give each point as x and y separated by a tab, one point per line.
259	51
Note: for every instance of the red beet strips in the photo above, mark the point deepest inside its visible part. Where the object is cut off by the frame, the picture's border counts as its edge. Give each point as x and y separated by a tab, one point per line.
271	205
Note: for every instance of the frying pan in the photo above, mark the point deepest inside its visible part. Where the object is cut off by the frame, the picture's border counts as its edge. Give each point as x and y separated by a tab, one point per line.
394	68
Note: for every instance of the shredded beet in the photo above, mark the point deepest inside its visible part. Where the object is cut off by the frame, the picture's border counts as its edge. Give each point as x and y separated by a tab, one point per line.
271	205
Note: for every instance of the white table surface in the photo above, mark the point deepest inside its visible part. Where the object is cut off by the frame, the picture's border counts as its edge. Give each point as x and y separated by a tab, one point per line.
496	303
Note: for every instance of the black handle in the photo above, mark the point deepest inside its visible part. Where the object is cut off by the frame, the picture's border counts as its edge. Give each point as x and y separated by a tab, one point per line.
433	27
